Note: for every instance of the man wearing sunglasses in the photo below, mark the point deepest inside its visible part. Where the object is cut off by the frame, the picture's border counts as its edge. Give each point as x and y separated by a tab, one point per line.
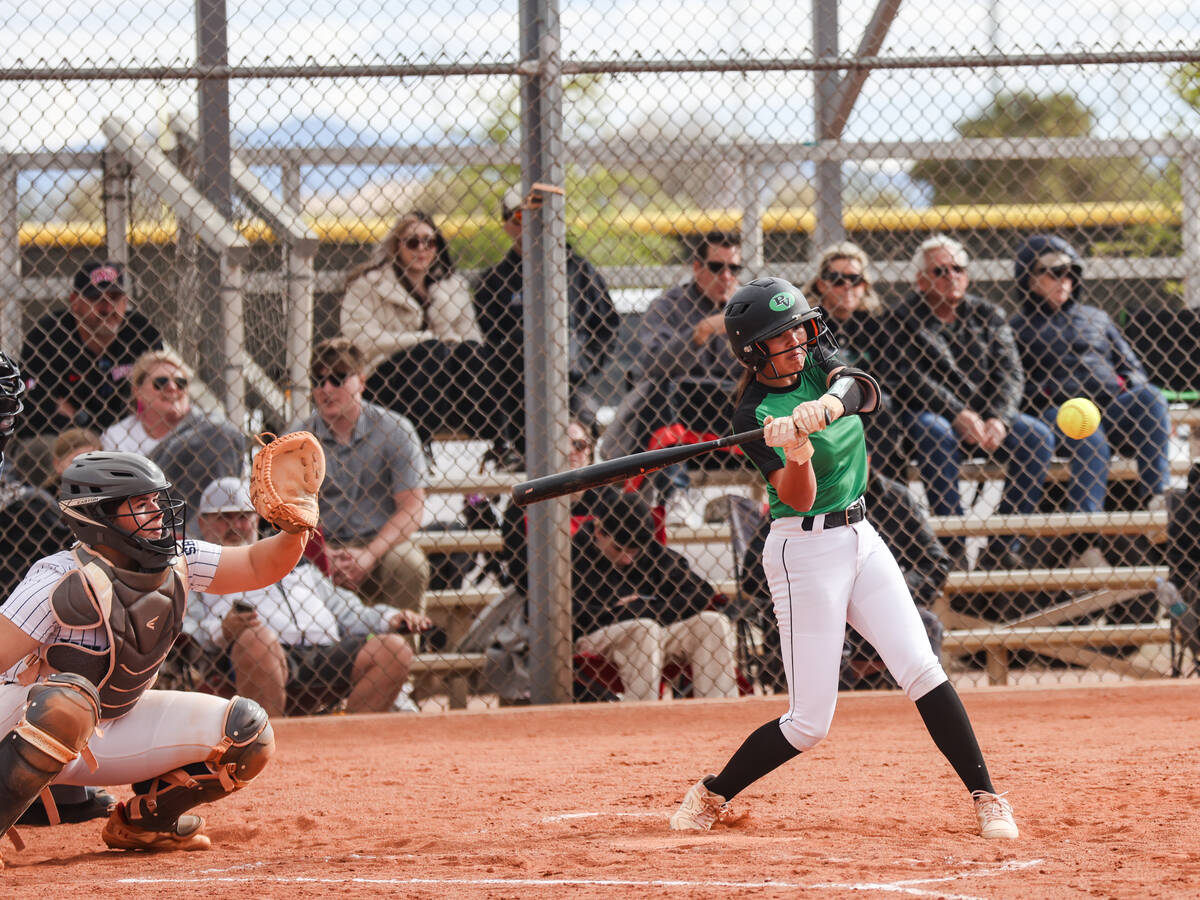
686	369
1071	349
500	308
373	498
77	361
956	376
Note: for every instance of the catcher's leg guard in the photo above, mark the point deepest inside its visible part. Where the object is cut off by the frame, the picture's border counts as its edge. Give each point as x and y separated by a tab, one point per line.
154	820
60	716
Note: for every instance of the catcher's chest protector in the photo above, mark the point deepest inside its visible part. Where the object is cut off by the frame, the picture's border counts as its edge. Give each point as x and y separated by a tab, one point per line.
142	613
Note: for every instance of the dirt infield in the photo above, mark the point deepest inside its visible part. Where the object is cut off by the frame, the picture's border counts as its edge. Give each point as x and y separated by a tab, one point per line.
573	802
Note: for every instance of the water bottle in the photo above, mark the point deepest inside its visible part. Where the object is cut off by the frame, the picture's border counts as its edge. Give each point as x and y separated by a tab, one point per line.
1169	598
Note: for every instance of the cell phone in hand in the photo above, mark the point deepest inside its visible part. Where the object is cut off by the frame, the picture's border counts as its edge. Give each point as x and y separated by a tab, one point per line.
243	606
407	628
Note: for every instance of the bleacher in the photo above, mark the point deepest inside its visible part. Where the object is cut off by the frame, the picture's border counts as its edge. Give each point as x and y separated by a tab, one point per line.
1052	632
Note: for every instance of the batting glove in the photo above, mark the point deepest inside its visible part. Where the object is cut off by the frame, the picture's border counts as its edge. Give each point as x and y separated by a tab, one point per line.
811	416
782	433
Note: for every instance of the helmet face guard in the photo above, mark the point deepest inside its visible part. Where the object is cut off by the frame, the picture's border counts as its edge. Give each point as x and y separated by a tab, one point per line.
813	327
12	389
124	502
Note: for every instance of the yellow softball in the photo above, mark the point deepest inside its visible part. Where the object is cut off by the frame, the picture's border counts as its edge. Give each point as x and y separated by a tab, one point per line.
1078	418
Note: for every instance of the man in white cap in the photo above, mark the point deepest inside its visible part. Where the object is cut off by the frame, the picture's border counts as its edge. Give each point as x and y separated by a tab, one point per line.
499	309
303	644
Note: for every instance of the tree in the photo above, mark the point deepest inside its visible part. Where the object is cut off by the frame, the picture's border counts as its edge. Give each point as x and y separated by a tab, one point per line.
1025	114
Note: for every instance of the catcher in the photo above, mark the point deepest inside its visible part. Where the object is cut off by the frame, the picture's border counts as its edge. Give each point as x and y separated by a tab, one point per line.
83	635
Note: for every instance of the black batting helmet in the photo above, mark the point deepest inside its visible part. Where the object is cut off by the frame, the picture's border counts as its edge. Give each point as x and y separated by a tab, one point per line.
12	389
93	488
767	307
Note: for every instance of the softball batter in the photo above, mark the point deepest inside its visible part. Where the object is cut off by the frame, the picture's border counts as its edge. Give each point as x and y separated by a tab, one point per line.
825	565
81	641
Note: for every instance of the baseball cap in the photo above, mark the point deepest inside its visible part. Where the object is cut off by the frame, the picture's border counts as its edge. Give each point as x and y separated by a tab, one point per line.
98	278
1055	258
625	517
229	494
513	198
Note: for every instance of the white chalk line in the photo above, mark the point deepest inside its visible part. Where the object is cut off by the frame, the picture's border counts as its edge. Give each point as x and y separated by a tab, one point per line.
907	886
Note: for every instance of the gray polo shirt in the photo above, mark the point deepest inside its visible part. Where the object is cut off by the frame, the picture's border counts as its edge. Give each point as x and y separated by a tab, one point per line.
384	456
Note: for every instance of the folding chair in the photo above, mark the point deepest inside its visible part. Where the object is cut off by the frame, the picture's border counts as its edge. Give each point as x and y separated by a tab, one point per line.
757	635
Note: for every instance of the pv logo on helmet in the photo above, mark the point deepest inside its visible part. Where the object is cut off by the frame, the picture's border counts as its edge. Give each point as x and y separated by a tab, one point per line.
782	301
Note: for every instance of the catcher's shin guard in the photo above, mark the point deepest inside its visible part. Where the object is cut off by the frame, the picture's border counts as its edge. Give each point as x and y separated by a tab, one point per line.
244	750
60	715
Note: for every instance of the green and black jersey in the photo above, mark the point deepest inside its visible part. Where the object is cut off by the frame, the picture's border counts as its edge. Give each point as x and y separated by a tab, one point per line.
839	453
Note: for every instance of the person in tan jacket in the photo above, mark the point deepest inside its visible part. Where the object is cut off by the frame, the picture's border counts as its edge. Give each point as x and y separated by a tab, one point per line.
411	314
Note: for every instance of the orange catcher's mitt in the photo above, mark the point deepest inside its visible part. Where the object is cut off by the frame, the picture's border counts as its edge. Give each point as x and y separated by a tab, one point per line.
285	478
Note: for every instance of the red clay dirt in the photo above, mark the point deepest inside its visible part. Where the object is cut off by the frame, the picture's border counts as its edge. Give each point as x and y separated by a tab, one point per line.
573	801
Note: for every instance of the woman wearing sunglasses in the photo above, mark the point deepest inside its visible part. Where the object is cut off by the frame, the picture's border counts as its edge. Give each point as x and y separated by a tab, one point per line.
187	445
843	288
1070	349
160	401
412	315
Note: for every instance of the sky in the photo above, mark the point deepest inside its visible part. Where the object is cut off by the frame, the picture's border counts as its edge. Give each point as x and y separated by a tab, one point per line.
1131	101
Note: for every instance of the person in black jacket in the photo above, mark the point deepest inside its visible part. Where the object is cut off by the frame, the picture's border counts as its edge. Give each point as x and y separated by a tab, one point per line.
500	309
956	376
77	361
639	604
1070	349
843	288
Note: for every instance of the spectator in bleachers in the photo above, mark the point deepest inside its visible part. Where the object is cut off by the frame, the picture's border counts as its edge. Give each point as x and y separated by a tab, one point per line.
640	605
686	371
68	445
513	556
373	498
77	361
303	644
412	315
955	374
843	288
1072	349
499	307
190	448
31	525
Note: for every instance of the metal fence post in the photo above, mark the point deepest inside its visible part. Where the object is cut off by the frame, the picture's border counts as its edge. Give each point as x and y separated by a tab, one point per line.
546	350
10	260
829	227
1189	188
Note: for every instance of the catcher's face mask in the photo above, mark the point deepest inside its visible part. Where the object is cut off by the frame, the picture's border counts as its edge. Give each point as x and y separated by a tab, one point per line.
154	517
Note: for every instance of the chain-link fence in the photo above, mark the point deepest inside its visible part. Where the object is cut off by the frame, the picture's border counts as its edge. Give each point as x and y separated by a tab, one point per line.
473	245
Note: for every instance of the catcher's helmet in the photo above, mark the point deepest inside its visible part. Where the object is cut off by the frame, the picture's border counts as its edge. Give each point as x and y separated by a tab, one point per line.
93	488
12	389
767	307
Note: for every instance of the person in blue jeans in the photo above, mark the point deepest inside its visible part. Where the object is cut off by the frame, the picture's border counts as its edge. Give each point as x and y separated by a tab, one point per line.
1070	349
956	377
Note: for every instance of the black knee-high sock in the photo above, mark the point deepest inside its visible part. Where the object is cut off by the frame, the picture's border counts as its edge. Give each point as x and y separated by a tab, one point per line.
951	730
765	750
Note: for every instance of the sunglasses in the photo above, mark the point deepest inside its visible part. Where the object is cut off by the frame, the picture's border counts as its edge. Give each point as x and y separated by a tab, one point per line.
1056	272
160	382
515	216
837	279
579	445
419	242
333	379
943	271
717	267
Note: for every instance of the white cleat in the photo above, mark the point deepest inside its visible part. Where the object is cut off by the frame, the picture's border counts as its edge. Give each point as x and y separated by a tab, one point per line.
701	809
995	816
